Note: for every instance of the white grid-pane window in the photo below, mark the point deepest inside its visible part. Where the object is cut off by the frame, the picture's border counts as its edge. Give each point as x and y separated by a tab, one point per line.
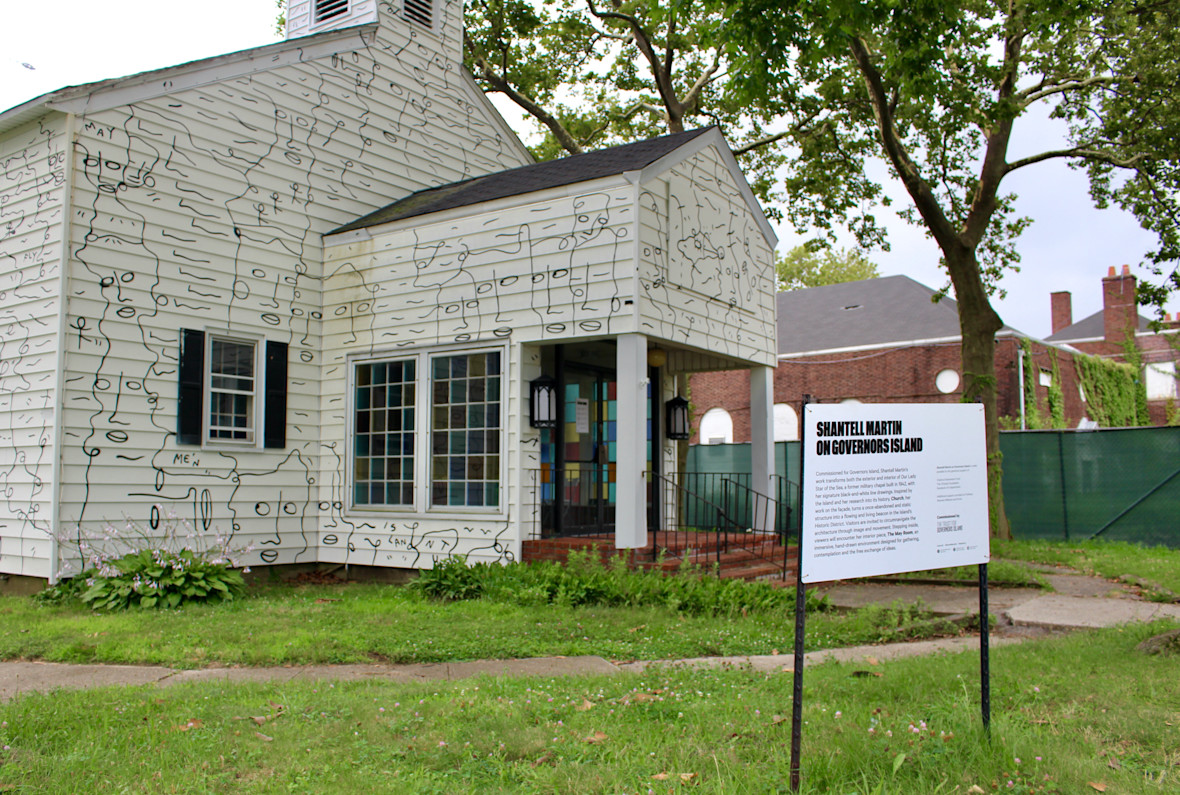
383	440
232	390
465	430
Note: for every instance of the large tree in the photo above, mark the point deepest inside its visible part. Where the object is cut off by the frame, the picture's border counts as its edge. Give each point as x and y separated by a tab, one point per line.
939	88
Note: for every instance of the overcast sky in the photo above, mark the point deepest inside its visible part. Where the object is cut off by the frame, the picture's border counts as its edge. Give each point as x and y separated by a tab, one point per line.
1068	247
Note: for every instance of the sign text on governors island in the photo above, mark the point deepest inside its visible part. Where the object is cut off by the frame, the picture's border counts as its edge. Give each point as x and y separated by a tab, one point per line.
892	488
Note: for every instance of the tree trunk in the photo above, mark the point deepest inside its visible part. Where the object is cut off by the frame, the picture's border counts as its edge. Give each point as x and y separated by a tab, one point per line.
978	324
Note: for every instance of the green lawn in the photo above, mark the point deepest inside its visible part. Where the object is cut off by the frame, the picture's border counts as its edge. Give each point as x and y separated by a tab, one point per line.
1076	714
379	623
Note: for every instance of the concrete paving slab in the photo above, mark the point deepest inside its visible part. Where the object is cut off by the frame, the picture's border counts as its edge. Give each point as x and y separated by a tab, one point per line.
537	666
229	675
868	655
939	599
1079	612
42	677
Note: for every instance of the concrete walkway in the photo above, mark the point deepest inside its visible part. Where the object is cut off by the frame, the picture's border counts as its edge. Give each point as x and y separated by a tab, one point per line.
1077	603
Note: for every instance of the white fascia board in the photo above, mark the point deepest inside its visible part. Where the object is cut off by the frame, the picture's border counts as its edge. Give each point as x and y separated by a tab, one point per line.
108	94
916	343
481	208
874	347
477	97
713	137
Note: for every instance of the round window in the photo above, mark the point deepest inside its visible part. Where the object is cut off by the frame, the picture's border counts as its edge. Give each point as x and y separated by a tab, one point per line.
947	381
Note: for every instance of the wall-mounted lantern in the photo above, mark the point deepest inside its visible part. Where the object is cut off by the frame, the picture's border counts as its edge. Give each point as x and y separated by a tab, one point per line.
676	424
543	402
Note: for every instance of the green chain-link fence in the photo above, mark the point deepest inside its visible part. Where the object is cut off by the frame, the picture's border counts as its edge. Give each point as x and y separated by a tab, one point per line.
1120	484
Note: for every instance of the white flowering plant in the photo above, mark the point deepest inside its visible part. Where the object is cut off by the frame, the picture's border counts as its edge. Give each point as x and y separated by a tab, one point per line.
169	566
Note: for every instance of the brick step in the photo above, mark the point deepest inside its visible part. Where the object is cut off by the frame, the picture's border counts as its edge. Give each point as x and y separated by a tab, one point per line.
762	560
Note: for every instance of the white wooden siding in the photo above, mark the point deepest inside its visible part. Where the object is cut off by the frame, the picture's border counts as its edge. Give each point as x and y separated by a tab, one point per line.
542	270
32	212
706	270
205	209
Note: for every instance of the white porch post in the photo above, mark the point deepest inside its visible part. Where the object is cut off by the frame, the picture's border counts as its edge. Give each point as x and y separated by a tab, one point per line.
631	433
762	439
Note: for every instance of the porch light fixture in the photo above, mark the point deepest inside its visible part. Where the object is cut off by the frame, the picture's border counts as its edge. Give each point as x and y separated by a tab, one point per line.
543	402
676	425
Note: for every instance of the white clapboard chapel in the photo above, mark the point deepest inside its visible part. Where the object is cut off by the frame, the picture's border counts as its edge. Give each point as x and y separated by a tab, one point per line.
318	297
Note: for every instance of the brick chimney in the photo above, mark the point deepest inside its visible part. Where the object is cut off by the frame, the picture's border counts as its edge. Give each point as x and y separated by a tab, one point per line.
1062	310
1119	310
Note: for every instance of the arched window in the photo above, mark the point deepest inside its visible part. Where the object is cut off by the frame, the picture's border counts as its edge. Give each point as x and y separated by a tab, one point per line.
716	427
786	423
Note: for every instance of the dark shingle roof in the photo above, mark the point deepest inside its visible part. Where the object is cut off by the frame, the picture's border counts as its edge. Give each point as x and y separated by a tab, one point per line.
526	179
1088	328
856	314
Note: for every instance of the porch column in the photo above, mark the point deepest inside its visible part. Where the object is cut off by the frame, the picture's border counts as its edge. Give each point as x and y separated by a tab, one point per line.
762	440
631	436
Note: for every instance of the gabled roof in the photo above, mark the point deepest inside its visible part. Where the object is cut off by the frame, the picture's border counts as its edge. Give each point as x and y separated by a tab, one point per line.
891	309
141	85
1089	328
527	179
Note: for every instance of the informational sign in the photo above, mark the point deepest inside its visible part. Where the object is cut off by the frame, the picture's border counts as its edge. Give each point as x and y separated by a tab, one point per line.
889	488
582	415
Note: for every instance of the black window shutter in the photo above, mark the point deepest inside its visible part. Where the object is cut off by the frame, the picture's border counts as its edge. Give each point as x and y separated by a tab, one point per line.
275	408
190	394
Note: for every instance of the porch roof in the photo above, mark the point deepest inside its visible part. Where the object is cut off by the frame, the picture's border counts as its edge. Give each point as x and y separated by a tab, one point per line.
527	179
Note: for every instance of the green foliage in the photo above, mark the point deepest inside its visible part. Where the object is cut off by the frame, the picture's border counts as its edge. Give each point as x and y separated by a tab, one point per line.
813	265
1112	391
593	74
451	579
151	578
1034	420
1134	358
1056	398
586	581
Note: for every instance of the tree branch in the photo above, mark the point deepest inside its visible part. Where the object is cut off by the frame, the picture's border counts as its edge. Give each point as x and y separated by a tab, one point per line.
498	83
673	108
765	140
1047	89
923	197
1079	152
994	166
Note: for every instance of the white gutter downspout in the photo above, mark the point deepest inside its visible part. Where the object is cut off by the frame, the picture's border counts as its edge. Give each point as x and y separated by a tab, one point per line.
60	373
1020	369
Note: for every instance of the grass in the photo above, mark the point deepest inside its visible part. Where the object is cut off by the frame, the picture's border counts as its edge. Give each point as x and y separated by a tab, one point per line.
287	625
1002	573
1081	713
1110	559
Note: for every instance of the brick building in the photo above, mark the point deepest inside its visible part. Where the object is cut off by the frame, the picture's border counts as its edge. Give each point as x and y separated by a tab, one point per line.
1106	332
875	341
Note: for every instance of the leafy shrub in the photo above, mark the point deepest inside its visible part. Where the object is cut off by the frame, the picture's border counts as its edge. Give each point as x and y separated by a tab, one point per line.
451	579
130	567
151	578
159	578
586	581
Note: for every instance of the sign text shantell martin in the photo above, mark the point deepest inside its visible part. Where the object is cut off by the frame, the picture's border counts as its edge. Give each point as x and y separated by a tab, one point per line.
863	437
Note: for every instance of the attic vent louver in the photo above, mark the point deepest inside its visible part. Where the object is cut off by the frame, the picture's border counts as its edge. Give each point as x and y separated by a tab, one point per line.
330	9
420	11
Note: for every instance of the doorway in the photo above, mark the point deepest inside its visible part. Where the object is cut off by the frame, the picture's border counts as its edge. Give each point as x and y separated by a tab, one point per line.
589	452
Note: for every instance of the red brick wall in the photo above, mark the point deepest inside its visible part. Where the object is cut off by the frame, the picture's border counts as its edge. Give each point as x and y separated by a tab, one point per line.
890	375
